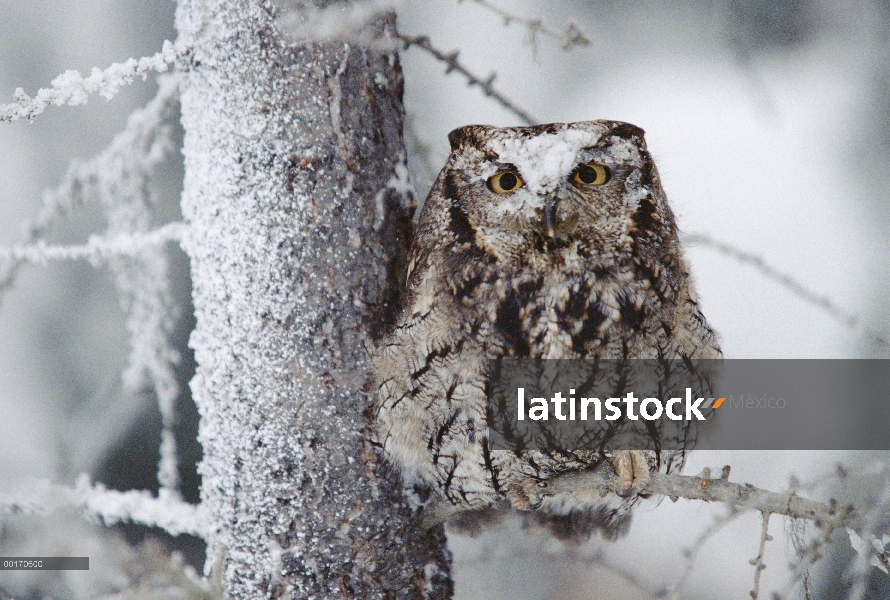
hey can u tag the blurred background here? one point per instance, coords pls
(770, 125)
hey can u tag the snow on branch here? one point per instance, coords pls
(302, 22)
(97, 247)
(120, 180)
(872, 551)
(572, 36)
(96, 502)
(124, 188)
(142, 128)
(486, 85)
(833, 309)
(73, 89)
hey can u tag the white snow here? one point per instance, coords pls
(96, 250)
(302, 22)
(545, 160)
(72, 88)
(97, 502)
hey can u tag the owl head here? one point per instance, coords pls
(589, 186)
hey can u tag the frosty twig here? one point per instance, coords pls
(486, 85)
(72, 88)
(834, 310)
(119, 178)
(572, 36)
(96, 248)
(96, 502)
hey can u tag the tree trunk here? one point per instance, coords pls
(299, 226)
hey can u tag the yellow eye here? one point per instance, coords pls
(501, 183)
(592, 174)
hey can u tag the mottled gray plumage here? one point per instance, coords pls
(581, 260)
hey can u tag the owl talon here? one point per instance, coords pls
(524, 496)
(632, 469)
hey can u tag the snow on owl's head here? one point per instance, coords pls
(548, 187)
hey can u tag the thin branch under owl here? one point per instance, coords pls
(587, 485)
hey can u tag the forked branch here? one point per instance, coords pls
(739, 495)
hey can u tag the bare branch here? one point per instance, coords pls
(875, 553)
(827, 516)
(833, 309)
(572, 36)
(807, 557)
(691, 553)
(758, 560)
(72, 88)
(580, 484)
(797, 531)
(486, 85)
(709, 490)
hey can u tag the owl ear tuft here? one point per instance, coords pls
(627, 131)
(457, 137)
(468, 135)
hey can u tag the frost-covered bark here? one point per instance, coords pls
(299, 219)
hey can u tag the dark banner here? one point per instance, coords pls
(599, 405)
(44, 563)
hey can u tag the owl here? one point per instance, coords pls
(550, 241)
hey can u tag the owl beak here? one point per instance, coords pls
(550, 217)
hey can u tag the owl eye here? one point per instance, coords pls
(591, 174)
(504, 182)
